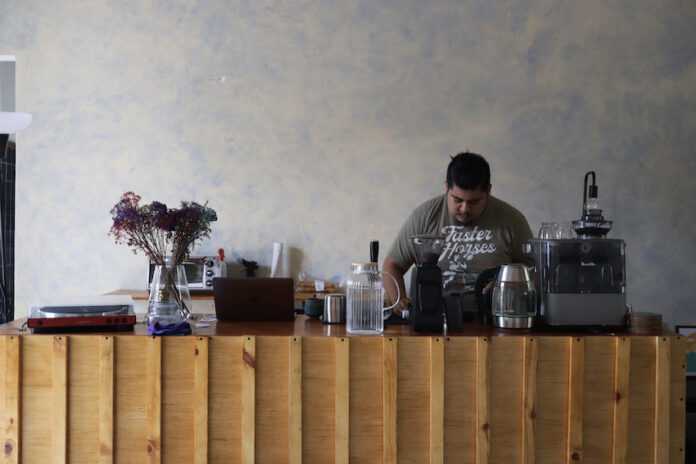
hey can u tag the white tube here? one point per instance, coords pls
(276, 263)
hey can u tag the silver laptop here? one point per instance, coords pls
(254, 299)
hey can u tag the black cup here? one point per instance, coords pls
(314, 307)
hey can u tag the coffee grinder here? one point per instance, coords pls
(426, 291)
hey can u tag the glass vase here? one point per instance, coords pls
(170, 298)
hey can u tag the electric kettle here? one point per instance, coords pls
(512, 302)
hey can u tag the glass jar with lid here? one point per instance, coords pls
(365, 311)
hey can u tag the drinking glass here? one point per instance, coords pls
(547, 230)
(564, 231)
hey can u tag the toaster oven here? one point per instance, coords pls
(200, 271)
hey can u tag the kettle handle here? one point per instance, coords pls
(398, 292)
(484, 300)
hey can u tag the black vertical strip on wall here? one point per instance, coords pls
(7, 200)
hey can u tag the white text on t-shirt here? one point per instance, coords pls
(467, 244)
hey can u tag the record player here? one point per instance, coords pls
(81, 314)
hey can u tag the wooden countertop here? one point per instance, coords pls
(304, 326)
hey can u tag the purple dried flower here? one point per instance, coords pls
(158, 231)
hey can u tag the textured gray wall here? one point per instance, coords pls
(323, 123)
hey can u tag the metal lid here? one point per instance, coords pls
(514, 273)
(365, 267)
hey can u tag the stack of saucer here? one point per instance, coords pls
(645, 323)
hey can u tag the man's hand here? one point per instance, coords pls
(393, 268)
(403, 304)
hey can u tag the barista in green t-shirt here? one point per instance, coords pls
(480, 231)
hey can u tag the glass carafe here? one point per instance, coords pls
(365, 311)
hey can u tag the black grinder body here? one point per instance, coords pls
(427, 299)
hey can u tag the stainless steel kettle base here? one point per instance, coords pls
(504, 322)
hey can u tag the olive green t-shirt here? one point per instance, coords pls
(494, 238)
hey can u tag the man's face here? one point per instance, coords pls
(466, 205)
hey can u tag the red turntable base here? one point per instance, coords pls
(88, 315)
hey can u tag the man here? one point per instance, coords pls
(480, 231)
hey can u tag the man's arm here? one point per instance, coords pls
(395, 269)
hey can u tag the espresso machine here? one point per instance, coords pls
(582, 281)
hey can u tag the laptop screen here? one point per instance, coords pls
(254, 299)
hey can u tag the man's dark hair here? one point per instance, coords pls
(469, 171)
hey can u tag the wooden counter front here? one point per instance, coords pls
(306, 392)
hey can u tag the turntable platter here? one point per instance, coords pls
(63, 311)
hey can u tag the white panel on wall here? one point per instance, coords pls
(7, 83)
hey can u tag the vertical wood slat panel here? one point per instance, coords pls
(60, 397)
(131, 432)
(154, 399)
(460, 399)
(506, 399)
(341, 398)
(106, 400)
(575, 394)
(414, 391)
(11, 400)
(295, 400)
(529, 395)
(273, 411)
(389, 407)
(641, 407)
(662, 386)
(319, 393)
(248, 399)
(677, 416)
(226, 359)
(552, 394)
(483, 404)
(437, 400)
(622, 376)
(200, 401)
(598, 400)
(36, 392)
(177, 433)
(130, 392)
(366, 400)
